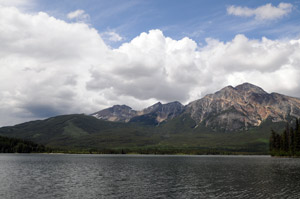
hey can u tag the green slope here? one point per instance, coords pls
(81, 132)
(183, 132)
(180, 135)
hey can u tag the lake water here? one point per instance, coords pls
(136, 176)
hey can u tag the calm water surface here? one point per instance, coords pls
(124, 176)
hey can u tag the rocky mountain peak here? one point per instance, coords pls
(152, 108)
(227, 89)
(249, 88)
(172, 107)
(241, 107)
(159, 107)
(227, 92)
(159, 112)
(120, 107)
(116, 113)
(229, 109)
(154, 114)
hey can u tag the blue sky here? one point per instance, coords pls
(177, 19)
(81, 56)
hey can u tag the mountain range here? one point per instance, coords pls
(230, 109)
(233, 119)
(154, 114)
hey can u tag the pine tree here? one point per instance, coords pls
(285, 141)
(288, 138)
(278, 142)
(282, 141)
(273, 141)
(297, 136)
(292, 141)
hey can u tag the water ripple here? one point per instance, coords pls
(119, 176)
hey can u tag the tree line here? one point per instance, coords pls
(14, 145)
(287, 143)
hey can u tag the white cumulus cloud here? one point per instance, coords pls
(44, 63)
(265, 12)
(111, 36)
(16, 2)
(50, 67)
(78, 15)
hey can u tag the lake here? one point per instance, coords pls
(145, 176)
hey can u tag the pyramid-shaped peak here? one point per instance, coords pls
(157, 104)
(247, 87)
(121, 107)
(227, 88)
(173, 103)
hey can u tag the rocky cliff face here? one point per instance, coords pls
(154, 114)
(169, 111)
(117, 113)
(159, 112)
(240, 107)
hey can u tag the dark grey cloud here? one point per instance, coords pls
(43, 110)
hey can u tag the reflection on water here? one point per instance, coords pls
(124, 176)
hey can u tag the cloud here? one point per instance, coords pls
(111, 36)
(16, 2)
(50, 67)
(155, 66)
(150, 66)
(265, 12)
(79, 15)
(44, 62)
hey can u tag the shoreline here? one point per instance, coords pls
(162, 154)
(149, 154)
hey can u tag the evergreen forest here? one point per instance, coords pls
(287, 143)
(13, 145)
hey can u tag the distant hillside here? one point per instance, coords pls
(79, 131)
(179, 135)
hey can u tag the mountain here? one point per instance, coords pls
(117, 113)
(152, 115)
(241, 107)
(246, 111)
(230, 109)
(158, 113)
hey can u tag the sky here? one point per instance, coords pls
(75, 56)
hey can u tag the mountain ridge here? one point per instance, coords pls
(154, 114)
(229, 109)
